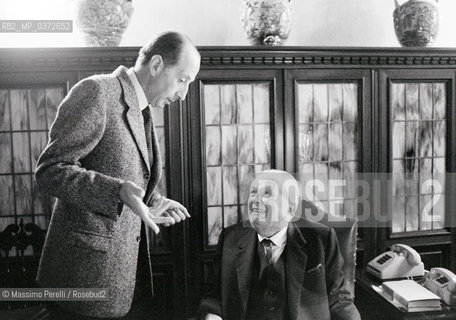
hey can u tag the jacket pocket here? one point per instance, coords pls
(91, 240)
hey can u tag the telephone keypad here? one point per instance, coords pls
(383, 259)
(442, 280)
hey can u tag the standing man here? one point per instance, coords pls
(102, 163)
(271, 268)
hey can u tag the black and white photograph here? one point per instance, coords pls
(227, 160)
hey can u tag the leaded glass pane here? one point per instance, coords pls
(439, 99)
(5, 153)
(21, 152)
(261, 97)
(320, 101)
(245, 144)
(426, 212)
(53, 98)
(328, 150)
(229, 147)
(320, 142)
(213, 143)
(425, 99)
(262, 144)
(237, 146)
(228, 104)
(411, 213)
(38, 142)
(336, 102)
(6, 197)
(230, 185)
(37, 109)
(398, 208)
(5, 123)
(19, 117)
(230, 216)
(214, 224)
(214, 186)
(335, 142)
(212, 104)
(418, 144)
(244, 94)
(350, 104)
(350, 142)
(438, 210)
(23, 190)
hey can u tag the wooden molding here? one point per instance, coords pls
(49, 59)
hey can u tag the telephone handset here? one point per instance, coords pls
(443, 283)
(401, 262)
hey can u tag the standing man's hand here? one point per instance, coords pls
(164, 207)
(131, 195)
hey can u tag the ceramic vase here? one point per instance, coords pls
(416, 22)
(266, 22)
(103, 22)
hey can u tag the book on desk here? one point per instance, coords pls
(411, 296)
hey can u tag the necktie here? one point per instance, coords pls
(148, 128)
(267, 245)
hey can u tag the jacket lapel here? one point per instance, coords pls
(295, 268)
(134, 116)
(247, 245)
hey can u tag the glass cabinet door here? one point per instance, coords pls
(416, 116)
(328, 144)
(331, 135)
(238, 130)
(418, 136)
(237, 138)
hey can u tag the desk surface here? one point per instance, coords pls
(373, 306)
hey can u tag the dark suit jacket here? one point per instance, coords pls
(315, 282)
(96, 142)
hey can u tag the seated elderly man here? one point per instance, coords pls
(272, 268)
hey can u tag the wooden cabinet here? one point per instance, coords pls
(348, 119)
(416, 120)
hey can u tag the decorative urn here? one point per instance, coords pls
(103, 22)
(416, 22)
(266, 22)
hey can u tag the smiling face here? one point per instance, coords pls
(270, 204)
(170, 83)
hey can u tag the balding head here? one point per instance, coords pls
(169, 46)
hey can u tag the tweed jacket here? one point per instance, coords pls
(97, 141)
(314, 278)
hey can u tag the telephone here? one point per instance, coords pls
(443, 283)
(401, 262)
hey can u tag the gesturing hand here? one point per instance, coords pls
(131, 195)
(164, 207)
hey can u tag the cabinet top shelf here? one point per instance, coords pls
(37, 59)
